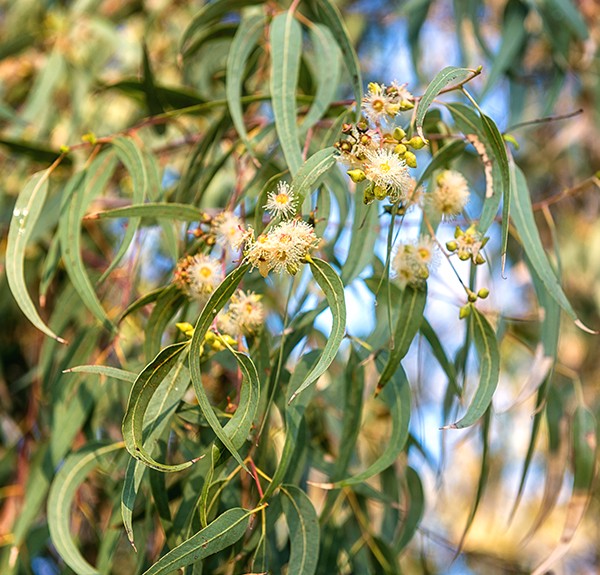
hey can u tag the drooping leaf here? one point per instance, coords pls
(410, 317)
(62, 493)
(415, 499)
(174, 211)
(242, 46)
(28, 207)
(105, 370)
(332, 287)
(311, 173)
(223, 532)
(153, 101)
(140, 396)
(449, 75)
(303, 525)
(286, 42)
(489, 366)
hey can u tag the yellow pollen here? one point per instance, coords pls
(282, 199)
(205, 272)
(378, 105)
(385, 167)
(424, 253)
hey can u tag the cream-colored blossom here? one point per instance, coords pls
(198, 275)
(450, 195)
(413, 261)
(377, 104)
(387, 171)
(401, 96)
(281, 202)
(469, 244)
(247, 311)
(228, 229)
(284, 247)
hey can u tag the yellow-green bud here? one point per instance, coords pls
(399, 134)
(464, 256)
(410, 159)
(64, 149)
(400, 149)
(451, 246)
(465, 311)
(90, 138)
(416, 142)
(406, 105)
(479, 259)
(357, 175)
(368, 196)
(472, 296)
(380, 193)
(483, 293)
(458, 232)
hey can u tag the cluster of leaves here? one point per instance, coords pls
(199, 452)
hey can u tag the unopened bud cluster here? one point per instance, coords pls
(468, 244)
(465, 310)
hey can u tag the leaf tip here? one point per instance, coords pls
(585, 328)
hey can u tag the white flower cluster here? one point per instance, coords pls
(198, 276)
(451, 194)
(282, 248)
(281, 202)
(413, 261)
(245, 315)
(381, 102)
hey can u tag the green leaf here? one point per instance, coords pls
(440, 354)
(133, 160)
(216, 303)
(522, 216)
(244, 42)
(183, 212)
(311, 174)
(397, 397)
(326, 72)
(329, 15)
(570, 15)
(35, 151)
(286, 48)
(158, 414)
(410, 317)
(209, 14)
(415, 500)
(60, 499)
(362, 240)
(106, 370)
(449, 75)
(27, 210)
(140, 396)
(303, 525)
(223, 532)
(513, 39)
(489, 365)
(332, 287)
(294, 415)
(153, 101)
(69, 229)
(175, 97)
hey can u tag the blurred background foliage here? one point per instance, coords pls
(68, 69)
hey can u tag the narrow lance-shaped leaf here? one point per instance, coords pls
(69, 228)
(522, 216)
(133, 160)
(244, 43)
(397, 396)
(329, 15)
(415, 500)
(449, 75)
(153, 101)
(293, 419)
(489, 365)
(223, 532)
(105, 370)
(174, 211)
(332, 287)
(286, 47)
(141, 394)
(311, 173)
(217, 301)
(410, 317)
(326, 72)
(67, 481)
(27, 210)
(303, 525)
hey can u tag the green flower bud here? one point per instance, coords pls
(483, 293)
(410, 159)
(368, 196)
(357, 175)
(380, 193)
(479, 259)
(416, 142)
(465, 311)
(464, 256)
(472, 297)
(400, 149)
(451, 246)
(399, 134)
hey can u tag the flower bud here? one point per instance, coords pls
(472, 296)
(357, 175)
(417, 143)
(399, 134)
(483, 293)
(479, 259)
(362, 126)
(465, 311)
(463, 256)
(410, 159)
(400, 149)
(346, 128)
(406, 105)
(368, 196)
(380, 193)
(451, 246)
